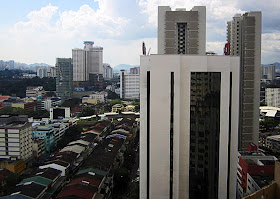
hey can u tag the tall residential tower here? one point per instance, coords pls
(88, 65)
(181, 31)
(244, 37)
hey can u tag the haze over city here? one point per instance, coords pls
(39, 31)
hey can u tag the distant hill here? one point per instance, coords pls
(39, 64)
(277, 65)
(123, 67)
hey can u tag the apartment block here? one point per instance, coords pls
(181, 31)
(129, 84)
(15, 137)
(244, 39)
(272, 97)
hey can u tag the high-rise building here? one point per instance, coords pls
(271, 72)
(189, 126)
(129, 84)
(244, 37)
(107, 71)
(87, 62)
(181, 31)
(64, 78)
(42, 71)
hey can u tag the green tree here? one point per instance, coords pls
(115, 101)
(87, 111)
(268, 124)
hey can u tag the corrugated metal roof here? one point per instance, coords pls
(38, 180)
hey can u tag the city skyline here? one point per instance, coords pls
(40, 31)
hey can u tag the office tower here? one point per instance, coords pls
(271, 72)
(86, 62)
(189, 126)
(16, 137)
(64, 78)
(129, 84)
(181, 31)
(244, 37)
(107, 71)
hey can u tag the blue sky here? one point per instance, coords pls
(41, 30)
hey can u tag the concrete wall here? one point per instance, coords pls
(182, 66)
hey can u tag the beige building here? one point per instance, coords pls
(89, 100)
(181, 31)
(15, 137)
(244, 36)
(189, 126)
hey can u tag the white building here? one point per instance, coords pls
(129, 85)
(87, 61)
(189, 126)
(42, 71)
(272, 97)
(181, 31)
(107, 71)
(15, 137)
(34, 91)
(101, 96)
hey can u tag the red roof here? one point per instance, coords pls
(4, 97)
(76, 191)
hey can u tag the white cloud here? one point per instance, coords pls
(50, 32)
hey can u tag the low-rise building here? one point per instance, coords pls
(28, 106)
(88, 100)
(251, 164)
(34, 91)
(117, 107)
(273, 142)
(38, 147)
(59, 113)
(46, 133)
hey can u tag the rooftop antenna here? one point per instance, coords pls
(143, 48)
(149, 51)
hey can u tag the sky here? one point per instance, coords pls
(38, 31)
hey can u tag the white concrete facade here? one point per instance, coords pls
(86, 61)
(272, 97)
(129, 85)
(158, 97)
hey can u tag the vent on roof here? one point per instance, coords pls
(85, 182)
(27, 183)
(39, 173)
(110, 145)
(91, 173)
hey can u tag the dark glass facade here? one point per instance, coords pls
(204, 135)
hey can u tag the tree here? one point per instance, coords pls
(268, 124)
(87, 111)
(115, 101)
(71, 102)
